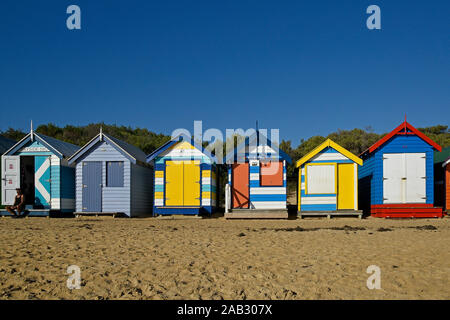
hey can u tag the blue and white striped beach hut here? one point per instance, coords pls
(257, 180)
(38, 165)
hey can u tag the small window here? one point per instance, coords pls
(114, 173)
(271, 174)
(321, 179)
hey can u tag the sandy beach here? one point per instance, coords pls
(188, 258)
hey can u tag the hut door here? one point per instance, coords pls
(174, 183)
(415, 178)
(240, 190)
(42, 182)
(10, 178)
(92, 186)
(404, 178)
(191, 183)
(346, 186)
(393, 178)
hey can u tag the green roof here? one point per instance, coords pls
(442, 156)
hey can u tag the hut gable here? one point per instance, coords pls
(33, 142)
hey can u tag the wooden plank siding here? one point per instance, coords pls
(373, 167)
(114, 199)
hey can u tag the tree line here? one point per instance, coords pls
(356, 140)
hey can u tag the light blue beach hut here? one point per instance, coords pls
(112, 177)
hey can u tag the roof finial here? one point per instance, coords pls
(31, 130)
(405, 123)
(101, 133)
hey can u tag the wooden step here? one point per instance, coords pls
(256, 214)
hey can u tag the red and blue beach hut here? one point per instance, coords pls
(397, 180)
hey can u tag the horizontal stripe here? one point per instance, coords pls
(317, 207)
(208, 187)
(202, 159)
(206, 202)
(159, 174)
(268, 190)
(324, 200)
(159, 195)
(159, 202)
(268, 204)
(328, 156)
(317, 195)
(206, 181)
(159, 188)
(206, 173)
(267, 197)
(331, 161)
(256, 184)
(159, 181)
(254, 169)
(208, 195)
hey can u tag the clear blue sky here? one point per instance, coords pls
(305, 67)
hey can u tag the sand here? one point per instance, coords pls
(187, 258)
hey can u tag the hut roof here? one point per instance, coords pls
(60, 148)
(404, 128)
(177, 139)
(131, 152)
(329, 143)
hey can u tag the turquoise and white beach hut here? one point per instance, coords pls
(38, 165)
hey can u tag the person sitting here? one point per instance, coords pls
(19, 204)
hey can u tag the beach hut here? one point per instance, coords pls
(328, 181)
(396, 179)
(5, 144)
(112, 178)
(446, 165)
(38, 165)
(185, 178)
(256, 180)
(439, 177)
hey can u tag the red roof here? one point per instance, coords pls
(403, 130)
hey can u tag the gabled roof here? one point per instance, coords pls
(175, 140)
(131, 152)
(5, 144)
(59, 148)
(254, 141)
(329, 143)
(403, 129)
